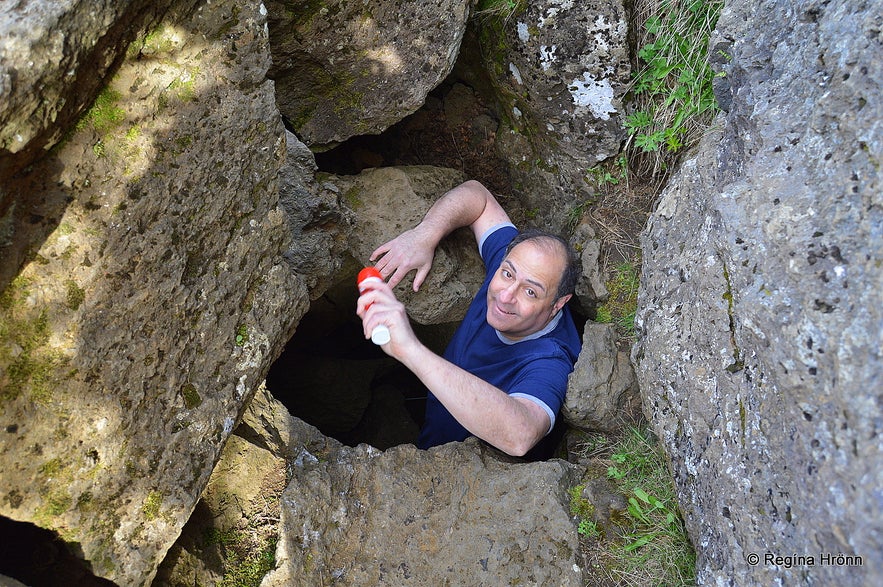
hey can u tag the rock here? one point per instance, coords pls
(344, 69)
(237, 517)
(602, 385)
(454, 514)
(590, 288)
(56, 58)
(760, 310)
(390, 200)
(559, 71)
(155, 296)
(320, 224)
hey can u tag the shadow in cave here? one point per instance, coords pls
(330, 376)
(39, 558)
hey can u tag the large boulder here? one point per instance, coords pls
(54, 58)
(346, 68)
(155, 295)
(601, 390)
(761, 306)
(389, 200)
(456, 514)
(559, 70)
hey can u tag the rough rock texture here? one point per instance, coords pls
(155, 297)
(452, 515)
(602, 385)
(560, 69)
(761, 308)
(390, 200)
(54, 58)
(346, 68)
(590, 289)
(320, 224)
(240, 508)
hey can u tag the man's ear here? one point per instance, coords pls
(559, 303)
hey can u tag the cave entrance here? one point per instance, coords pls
(329, 375)
(40, 558)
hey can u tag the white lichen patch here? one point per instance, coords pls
(515, 73)
(547, 56)
(596, 95)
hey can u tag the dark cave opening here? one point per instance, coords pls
(40, 558)
(330, 376)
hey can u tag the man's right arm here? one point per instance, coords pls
(469, 204)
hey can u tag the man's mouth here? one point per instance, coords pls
(501, 310)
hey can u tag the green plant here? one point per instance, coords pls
(611, 173)
(502, 9)
(622, 303)
(652, 546)
(673, 100)
(241, 335)
(247, 557)
(105, 113)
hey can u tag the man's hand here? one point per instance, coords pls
(378, 305)
(469, 204)
(410, 250)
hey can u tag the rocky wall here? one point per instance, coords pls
(154, 295)
(761, 313)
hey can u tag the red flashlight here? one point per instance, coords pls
(380, 334)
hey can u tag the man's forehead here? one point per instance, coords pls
(541, 262)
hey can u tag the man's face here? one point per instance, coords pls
(521, 298)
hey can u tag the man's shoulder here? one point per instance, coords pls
(495, 239)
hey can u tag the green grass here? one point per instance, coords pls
(621, 307)
(247, 557)
(650, 545)
(502, 9)
(672, 98)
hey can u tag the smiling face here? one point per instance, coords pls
(521, 298)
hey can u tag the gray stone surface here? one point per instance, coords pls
(560, 70)
(761, 313)
(55, 55)
(320, 223)
(155, 296)
(389, 200)
(602, 384)
(346, 68)
(452, 515)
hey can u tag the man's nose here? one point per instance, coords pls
(507, 294)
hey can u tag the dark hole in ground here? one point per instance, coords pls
(330, 376)
(39, 558)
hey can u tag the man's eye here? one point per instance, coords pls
(531, 293)
(506, 274)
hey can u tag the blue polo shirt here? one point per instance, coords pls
(536, 367)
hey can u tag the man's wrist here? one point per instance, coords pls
(414, 356)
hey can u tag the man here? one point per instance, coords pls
(504, 374)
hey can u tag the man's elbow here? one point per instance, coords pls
(518, 447)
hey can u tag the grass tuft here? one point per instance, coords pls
(650, 545)
(672, 97)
